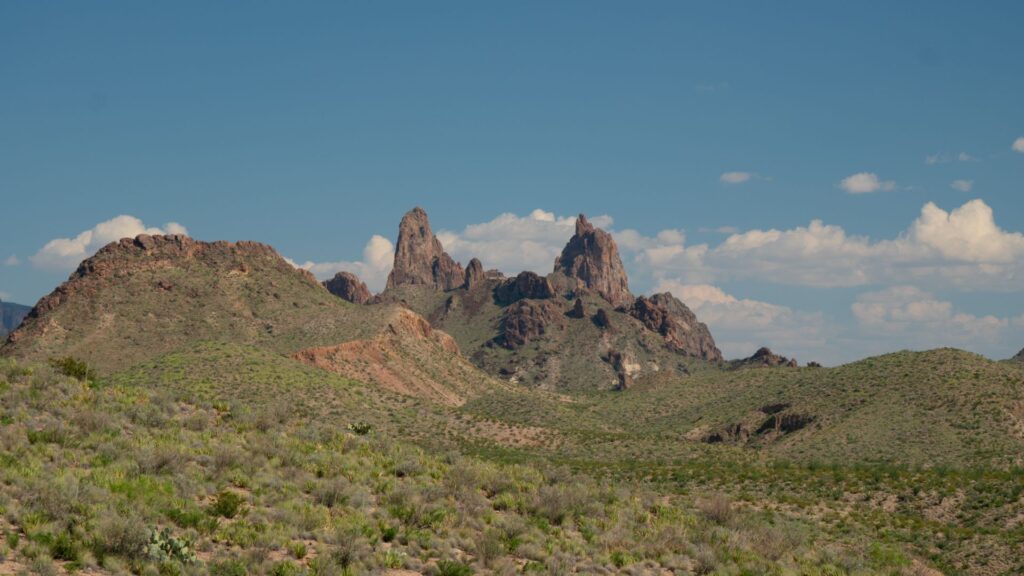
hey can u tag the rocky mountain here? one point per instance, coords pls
(1020, 356)
(11, 316)
(765, 357)
(139, 299)
(591, 259)
(348, 286)
(578, 327)
(419, 257)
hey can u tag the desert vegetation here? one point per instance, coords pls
(108, 477)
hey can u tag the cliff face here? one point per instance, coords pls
(419, 257)
(591, 257)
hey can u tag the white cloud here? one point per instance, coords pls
(1018, 145)
(962, 248)
(514, 243)
(962, 185)
(945, 158)
(866, 183)
(913, 315)
(735, 177)
(373, 269)
(64, 254)
(12, 260)
(741, 326)
(5, 296)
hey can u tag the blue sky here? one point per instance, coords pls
(314, 126)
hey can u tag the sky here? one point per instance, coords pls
(834, 180)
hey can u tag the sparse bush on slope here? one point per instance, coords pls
(310, 497)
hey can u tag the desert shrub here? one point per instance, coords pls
(73, 368)
(360, 428)
(453, 568)
(228, 568)
(717, 508)
(490, 546)
(285, 568)
(227, 504)
(297, 550)
(331, 492)
(120, 534)
(64, 547)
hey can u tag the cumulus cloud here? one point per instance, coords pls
(1018, 145)
(918, 316)
(735, 177)
(963, 248)
(962, 185)
(741, 326)
(64, 254)
(865, 183)
(514, 243)
(12, 260)
(373, 269)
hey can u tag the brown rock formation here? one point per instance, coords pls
(765, 357)
(578, 311)
(528, 319)
(408, 357)
(420, 258)
(475, 274)
(348, 286)
(524, 285)
(592, 259)
(666, 315)
(625, 366)
(601, 319)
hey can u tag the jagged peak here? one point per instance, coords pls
(420, 258)
(591, 257)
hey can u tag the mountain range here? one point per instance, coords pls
(568, 368)
(11, 316)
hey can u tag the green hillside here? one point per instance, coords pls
(110, 477)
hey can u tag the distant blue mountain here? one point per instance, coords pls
(11, 315)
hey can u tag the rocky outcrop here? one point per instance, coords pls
(408, 357)
(625, 365)
(591, 258)
(601, 319)
(765, 357)
(666, 315)
(420, 258)
(527, 320)
(348, 286)
(475, 275)
(524, 285)
(578, 310)
(1019, 357)
(770, 422)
